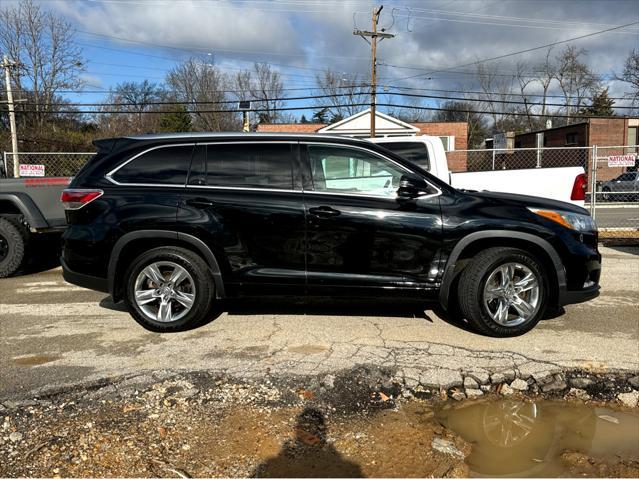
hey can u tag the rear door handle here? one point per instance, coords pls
(199, 202)
(324, 212)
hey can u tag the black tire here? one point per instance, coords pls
(13, 243)
(473, 280)
(605, 194)
(203, 282)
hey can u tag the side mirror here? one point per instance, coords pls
(412, 186)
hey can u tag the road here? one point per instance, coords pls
(53, 333)
(609, 216)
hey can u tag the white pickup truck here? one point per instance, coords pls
(564, 184)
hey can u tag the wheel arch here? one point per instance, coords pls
(22, 204)
(134, 243)
(468, 246)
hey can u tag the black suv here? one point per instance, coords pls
(171, 224)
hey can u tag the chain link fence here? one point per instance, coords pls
(44, 164)
(518, 158)
(614, 183)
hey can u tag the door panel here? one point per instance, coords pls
(256, 231)
(363, 237)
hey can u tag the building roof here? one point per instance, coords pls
(290, 127)
(358, 125)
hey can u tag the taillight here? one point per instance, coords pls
(73, 199)
(579, 188)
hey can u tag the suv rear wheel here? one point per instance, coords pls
(169, 289)
(503, 292)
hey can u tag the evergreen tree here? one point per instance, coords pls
(602, 105)
(303, 119)
(320, 115)
(177, 119)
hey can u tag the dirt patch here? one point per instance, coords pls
(356, 423)
(230, 430)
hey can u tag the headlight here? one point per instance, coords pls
(573, 221)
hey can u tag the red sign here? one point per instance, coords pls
(31, 170)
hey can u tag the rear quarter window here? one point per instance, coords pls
(413, 151)
(165, 165)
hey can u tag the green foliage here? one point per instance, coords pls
(602, 105)
(320, 115)
(176, 119)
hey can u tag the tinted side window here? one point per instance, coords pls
(349, 170)
(414, 152)
(166, 165)
(250, 165)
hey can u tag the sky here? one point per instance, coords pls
(435, 43)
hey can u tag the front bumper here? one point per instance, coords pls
(84, 280)
(574, 297)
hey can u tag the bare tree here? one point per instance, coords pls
(524, 80)
(495, 88)
(202, 86)
(464, 111)
(42, 43)
(630, 75)
(355, 89)
(576, 80)
(134, 104)
(268, 90)
(546, 73)
(263, 86)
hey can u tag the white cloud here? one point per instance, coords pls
(201, 26)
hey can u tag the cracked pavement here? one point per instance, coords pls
(52, 333)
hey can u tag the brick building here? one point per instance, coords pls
(573, 140)
(454, 135)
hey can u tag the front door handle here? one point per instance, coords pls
(324, 212)
(199, 202)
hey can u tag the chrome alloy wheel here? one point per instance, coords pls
(164, 291)
(512, 294)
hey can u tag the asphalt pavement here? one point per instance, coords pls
(53, 333)
(622, 216)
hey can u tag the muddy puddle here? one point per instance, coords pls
(546, 439)
(35, 360)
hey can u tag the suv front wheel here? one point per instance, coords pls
(169, 289)
(503, 292)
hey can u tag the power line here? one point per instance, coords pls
(527, 50)
(281, 65)
(319, 107)
(494, 93)
(472, 14)
(316, 97)
(211, 50)
(494, 72)
(310, 89)
(164, 90)
(501, 24)
(215, 102)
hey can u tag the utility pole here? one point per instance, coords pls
(374, 35)
(245, 106)
(7, 65)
